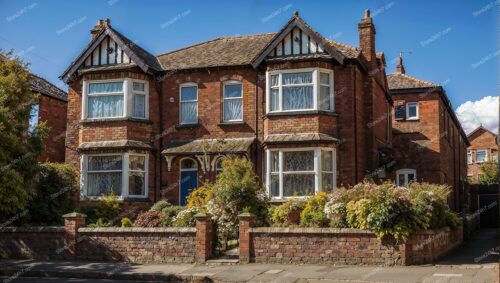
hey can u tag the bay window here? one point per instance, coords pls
(115, 99)
(124, 175)
(188, 104)
(233, 102)
(300, 90)
(300, 172)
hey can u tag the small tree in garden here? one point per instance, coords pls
(19, 147)
(489, 173)
(236, 190)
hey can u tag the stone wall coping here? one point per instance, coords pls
(34, 229)
(298, 230)
(137, 230)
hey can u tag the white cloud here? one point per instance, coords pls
(474, 113)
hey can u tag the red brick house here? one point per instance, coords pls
(483, 147)
(429, 142)
(51, 108)
(310, 113)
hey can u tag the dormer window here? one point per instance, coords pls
(115, 99)
(300, 90)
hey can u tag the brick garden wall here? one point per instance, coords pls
(139, 245)
(41, 243)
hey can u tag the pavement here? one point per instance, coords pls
(475, 261)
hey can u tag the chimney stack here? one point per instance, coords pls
(366, 30)
(400, 68)
(99, 26)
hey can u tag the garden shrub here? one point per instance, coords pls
(55, 184)
(314, 214)
(160, 205)
(280, 214)
(150, 219)
(100, 223)
(172, 211)
(109, 208)
(126, 222)
(201, 196)
(237, 187)
(185, 218)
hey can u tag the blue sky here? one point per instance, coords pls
(453, 42)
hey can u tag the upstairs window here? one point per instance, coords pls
(233, 102)
(105, 100)
(469, 157)
(115, 99)
(189, 104)
(412, 111)
(299, 90)
(405, 176)
(481, 156)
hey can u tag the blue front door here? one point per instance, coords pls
(189, 182)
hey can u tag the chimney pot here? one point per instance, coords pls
(296, 13)
(367, 13)
(400, 68)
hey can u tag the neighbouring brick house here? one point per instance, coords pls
(483, 147)
(429, 142)
(310, 113)
(51, 108)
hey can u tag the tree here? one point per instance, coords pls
(490, 173)
(19, 147)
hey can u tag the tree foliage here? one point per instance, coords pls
(19, 148)
(489, 173)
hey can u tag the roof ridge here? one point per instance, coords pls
(212, 40)
(343, 44)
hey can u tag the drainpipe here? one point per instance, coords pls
(355, 130)
(256, 125)
(160, 109)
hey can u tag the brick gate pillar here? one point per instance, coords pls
(72, 221)
(246, 222)
(204, 230)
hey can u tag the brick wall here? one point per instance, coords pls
(41, 243)
(53, 112)
(340, 245)
(138, 245)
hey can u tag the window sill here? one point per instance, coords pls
(307, 112)
(187, 126)
(120, 119)
(233, 123)
(412, 119)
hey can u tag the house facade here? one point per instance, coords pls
(429, 142)
(310, 113)
(51, 109)
(483, 148)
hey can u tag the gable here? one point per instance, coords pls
(107, 52)
(297, 38)
(296, 42)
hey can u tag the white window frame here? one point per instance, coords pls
(231, 98)
(189, 84)
(124, 170)
(127, 98)
(408, 105)
(405, 172)
(316, 89)
(485, 155)
(317, 169)
(145, 93)
(469, 157)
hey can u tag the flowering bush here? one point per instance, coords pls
(201, 196)
(150, 219)
(388, 210)
(314, 214)
(282, 215)
(237, 189)
(185, 218)
(160, 205)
